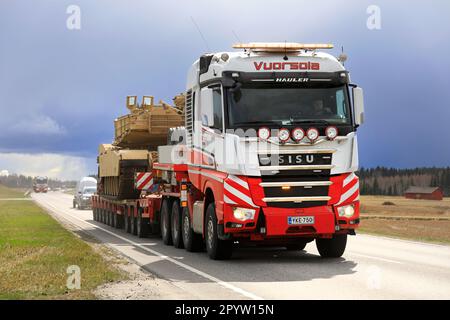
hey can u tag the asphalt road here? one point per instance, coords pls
(371, 268)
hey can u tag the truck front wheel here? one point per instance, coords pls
(166, 234)
(217, 249)
(332, 248)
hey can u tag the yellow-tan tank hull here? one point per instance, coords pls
(137, 136)
(117, 167)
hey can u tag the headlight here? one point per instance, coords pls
(264, 133)
(346, 211)
(298, 134)
(331, 132)
(244, 214)
(312, 134)
(283, 135)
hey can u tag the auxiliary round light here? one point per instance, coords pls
(331, 132)
(283, 135)
(264, 133)
(312, 134)
(298, 134)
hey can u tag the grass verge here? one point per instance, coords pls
(11, 193)
(35, 252)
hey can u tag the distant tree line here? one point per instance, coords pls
(394, 182)
(21, 181)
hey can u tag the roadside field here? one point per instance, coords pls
(35, 252)
(11, 193)
(422, 220)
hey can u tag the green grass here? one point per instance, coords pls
(35, 252)
(10, 193)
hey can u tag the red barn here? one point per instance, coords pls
(427, 193)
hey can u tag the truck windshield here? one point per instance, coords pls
(286, 106)
(89, 190)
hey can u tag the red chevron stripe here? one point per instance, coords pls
(147, 180)
(349, 185)
(351, 198)
(238, 187)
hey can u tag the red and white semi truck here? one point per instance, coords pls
(267, 156)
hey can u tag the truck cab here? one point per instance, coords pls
(272, 144)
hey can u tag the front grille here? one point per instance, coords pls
(296, 191)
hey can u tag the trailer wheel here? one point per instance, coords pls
(115, 220)
(192, 241)
(332, 248)
(142, 225)
(165, 223)
(296, 246)
(217, 249)
(94, 214)
(175, 218)
(126, 221)
(133, 229)
(101, 215)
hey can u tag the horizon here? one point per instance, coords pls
(61, 89)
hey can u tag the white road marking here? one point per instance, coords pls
(162, 256)
(374, 258)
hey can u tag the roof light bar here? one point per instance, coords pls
(282, 46)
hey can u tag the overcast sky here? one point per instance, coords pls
(61, 89)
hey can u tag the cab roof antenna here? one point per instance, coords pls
(342, 57)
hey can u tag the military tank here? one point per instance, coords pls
(137, 136)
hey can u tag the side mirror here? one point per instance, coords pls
(207, 110)
(358, 105)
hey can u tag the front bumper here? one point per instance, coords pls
(272, 222)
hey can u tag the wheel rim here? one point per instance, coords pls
(210, 233)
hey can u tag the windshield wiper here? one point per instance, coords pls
(311, 121)
(259, 122)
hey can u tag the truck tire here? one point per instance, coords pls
(217, 249)
(74, 204)
(166, 234)
(296, 246)
(142, 225)
(332, 248)
(192, 241)
(126, 222)
(133, 229)
(177, 237)
(102, 215)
